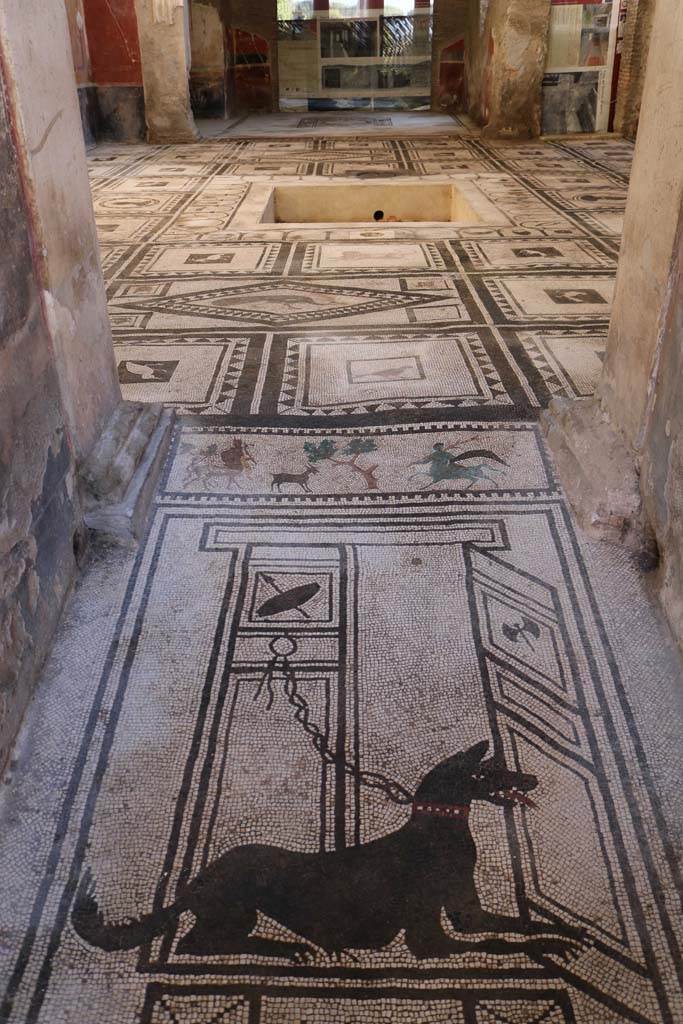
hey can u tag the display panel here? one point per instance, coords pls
(335, 55)
(577, 87)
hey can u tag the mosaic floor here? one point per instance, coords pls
(333, 123)
(365, 731)
(218, 312)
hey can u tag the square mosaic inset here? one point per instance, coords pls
(371, 255)
(569, 360)
(190, 376)
(557, 298)
(375, 374)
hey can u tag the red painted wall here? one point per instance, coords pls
(113, 42)
(452, 88)
(252, 85)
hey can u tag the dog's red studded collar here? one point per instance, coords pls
(458, 813)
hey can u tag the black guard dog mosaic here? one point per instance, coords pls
(356, 898)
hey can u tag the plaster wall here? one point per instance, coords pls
(45, 104)
(39, 514)
(206, 32)
(165, 49)
(649, 239)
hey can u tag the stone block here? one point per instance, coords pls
(596, 470)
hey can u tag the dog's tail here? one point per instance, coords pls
(88, 920)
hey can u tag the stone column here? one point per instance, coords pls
(506, 66)
(163, 27)
(621, 454)
(66, 438)
(251, 26)
(654, 202)
(634, 52)
(46, 115)
(207, 76)
(58, 382)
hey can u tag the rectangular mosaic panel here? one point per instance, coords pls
(303, 800)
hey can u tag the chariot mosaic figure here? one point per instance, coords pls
(222, 468)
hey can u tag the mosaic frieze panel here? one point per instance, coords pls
(314, 463)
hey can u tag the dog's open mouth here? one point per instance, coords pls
(516, 796)
(505, 788)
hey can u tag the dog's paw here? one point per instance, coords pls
(567, 950)
(305, 957)
(434, 950)
(342, 956)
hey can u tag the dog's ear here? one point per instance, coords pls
(476, 753)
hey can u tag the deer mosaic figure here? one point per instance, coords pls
(301, 479)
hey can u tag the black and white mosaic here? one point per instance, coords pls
(357, 752)
(186, 255)
(349, 739)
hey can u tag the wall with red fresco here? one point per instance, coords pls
(112, 29)
(251, 50)
(448, 55)
(251, 70)
(451, 91)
